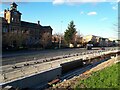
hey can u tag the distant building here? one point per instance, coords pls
(91, 39)
(27, 33)
(98, 41)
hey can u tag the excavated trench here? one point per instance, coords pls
(69, 66)
(73, 65)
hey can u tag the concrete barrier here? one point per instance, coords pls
(35, 79)
(68, 66)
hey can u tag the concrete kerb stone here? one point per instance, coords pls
(2, 77)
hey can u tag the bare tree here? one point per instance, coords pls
(14, 39)
(46, 39)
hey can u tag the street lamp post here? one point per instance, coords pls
(60, 38)
(59, 41)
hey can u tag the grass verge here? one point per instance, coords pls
(106, 78)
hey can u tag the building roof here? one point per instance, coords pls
(29, 24)
(46, 27)
(34, 25)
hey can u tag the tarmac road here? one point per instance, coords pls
(24, 56)
(11, 58)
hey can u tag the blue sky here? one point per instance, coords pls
(90, 18)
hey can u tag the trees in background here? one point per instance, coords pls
(14, 39)
(58, 40)
(46, 39)
(70, 33)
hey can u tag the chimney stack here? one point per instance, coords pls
(38, 22)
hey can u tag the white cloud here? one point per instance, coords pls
(104, 19)
(58, 1)
(81, 1)
(92, 13)
(90, 0)
(114, 7)
(118, 0)
(2, 12)
(81, 12)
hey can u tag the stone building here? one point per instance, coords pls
(97, 40)
(17, 33)
(91, 38)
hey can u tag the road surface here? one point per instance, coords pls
(24, 56)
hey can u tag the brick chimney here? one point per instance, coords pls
(38, 22)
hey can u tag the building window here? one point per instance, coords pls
(5, 30)
(12, 18)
